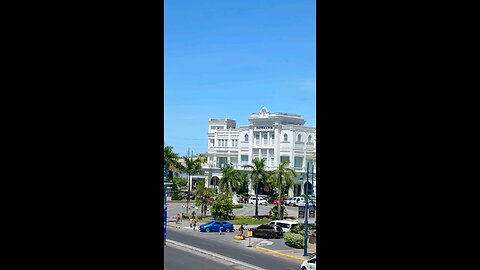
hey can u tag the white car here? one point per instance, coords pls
(285, 224)
(296, 200)
(261, 201)
(310, 264)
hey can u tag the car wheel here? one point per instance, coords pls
(269, 236)
(227, 229)
(207, 229)
(303, 268)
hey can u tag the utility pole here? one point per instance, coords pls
(188, 182)
(305, 224)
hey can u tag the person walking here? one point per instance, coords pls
(177, 219)
(241, 230)
(194, 224)
(221, 227)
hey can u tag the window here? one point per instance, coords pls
(310, 138)
(283, 158)
(299, 138)
(257, 136)
(298, 162)
(244, 159)
(246, 137)
(265, 136)
(273, 136)
(285, 137)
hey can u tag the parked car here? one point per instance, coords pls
(295, 200)
(309, 264)
(285, 224)
(281, 201)
(268, 231)
(261, 201)
(288, 201)
(214, 226)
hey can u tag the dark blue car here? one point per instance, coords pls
(214, 226)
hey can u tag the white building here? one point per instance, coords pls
(274, 137)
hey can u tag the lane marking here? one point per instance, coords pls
(215, 255)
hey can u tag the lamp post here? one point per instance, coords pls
(305, 224)
(165, 205)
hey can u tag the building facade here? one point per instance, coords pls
(274, 137)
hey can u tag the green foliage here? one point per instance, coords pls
(170, 157)
(203, 194)
(177, 196)
(236, 206)
(282, 179)
(179, 183)
(274, 212)
(222, 206)
(258, 174)
(293, 239)
(299, 228)
(229, 180)
(249, 220)
(242, 188)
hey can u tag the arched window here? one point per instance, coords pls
(246, 137)
(299, 138)
(285, 137)
(309, 138)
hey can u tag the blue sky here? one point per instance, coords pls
(228, 59)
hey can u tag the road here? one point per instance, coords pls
(180, 259)
(225, 245)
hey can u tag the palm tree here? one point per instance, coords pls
(229, 180)
(192, 166)
(204, 194)
(242, 188)
(258, 174)
(170, 158)
(282, 178)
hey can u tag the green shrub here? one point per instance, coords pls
(274, 212)
(299, 228)
(222, 206)
(176, 196)
(293, 240)
(237, 206)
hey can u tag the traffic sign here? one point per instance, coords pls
(249, 233)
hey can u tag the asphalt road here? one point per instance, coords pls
(180, 259)
(225, 245)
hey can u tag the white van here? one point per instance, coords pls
(261, 201)
(285, 224)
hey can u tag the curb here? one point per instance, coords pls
(215, 255)
(281, 254)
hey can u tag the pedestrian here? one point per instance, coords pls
(221, 227)
(194, 224)
(241, 230)
(177, 219)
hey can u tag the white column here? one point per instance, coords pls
(268, 157)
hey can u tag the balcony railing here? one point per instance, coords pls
(240, 167)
